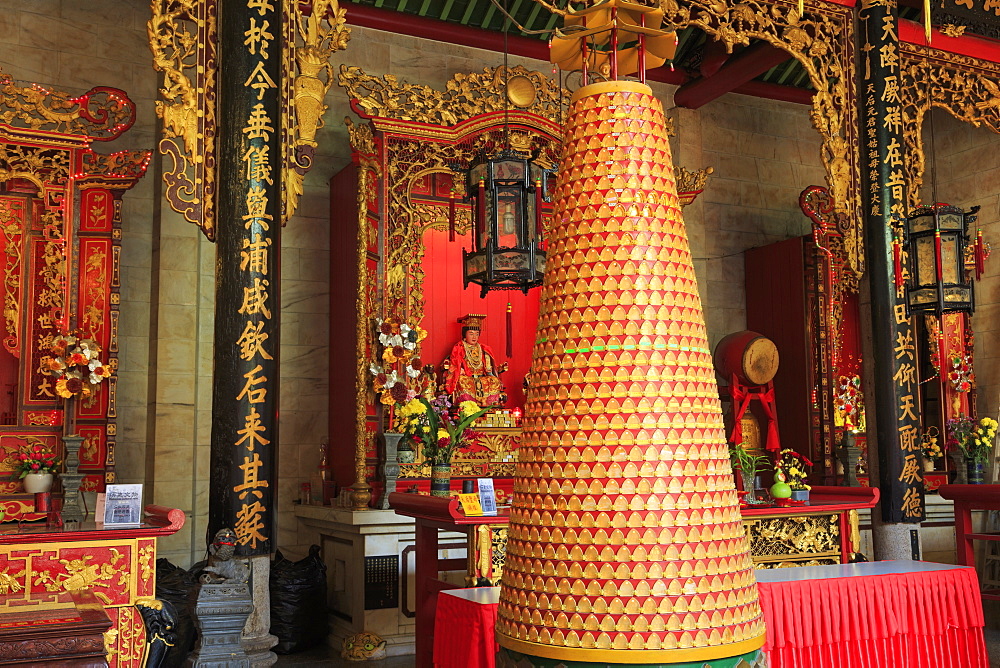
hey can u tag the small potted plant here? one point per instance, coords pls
(791, 469)
(37, 464)
(929, 447)
(749, 465)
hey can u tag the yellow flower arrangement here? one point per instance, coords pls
(793, 467)
(439, 425)
(929, 446)
(979, 445)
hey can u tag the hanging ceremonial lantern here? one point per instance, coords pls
(506, 189)
(937, 237)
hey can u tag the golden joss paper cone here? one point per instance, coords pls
(626, 543)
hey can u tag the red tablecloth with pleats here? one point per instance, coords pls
(926, 615)
(463, 628)
(879, 615)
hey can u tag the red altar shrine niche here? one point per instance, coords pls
(60, 243)
(392, 214)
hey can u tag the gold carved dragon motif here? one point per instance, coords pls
(465, 95)
(101, 113)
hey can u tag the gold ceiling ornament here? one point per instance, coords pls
(968, 88)
(101, 114)
(822, 41)
(950, 30)
(465, 95)
(182, 36)
(593, 27)
(314, 31)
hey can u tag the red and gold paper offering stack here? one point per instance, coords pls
(626, 543)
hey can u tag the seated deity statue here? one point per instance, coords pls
(472, 369)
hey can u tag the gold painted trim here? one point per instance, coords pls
(632, 655)
(611, 87)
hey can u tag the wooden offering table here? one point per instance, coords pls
(433, 514)
(117, 566)
(824, 530)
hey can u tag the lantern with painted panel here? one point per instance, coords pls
(507, 190)
(936, 238)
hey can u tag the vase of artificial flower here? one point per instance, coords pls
(37, 464)
(975, 441)
(793, 468)
(929, 448)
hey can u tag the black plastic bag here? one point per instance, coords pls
(179, 587)
(298, 602)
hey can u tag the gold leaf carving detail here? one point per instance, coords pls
(313, 37)
(465, 95)
(822, 42)
(966, 87)
(182, 36)
(13, 231)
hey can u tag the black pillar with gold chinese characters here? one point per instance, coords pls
(893, 354)
(247, 311)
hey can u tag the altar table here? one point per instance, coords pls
(116, 564)
(883, 614)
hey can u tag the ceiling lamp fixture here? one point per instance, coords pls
(507, 188)
(937, 237)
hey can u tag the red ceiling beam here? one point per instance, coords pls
(713, 57)
(775, 92)
(742, 68)
(443, 31)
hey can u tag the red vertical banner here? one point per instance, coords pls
(93, 311)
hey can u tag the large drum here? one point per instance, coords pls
(751, 357)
